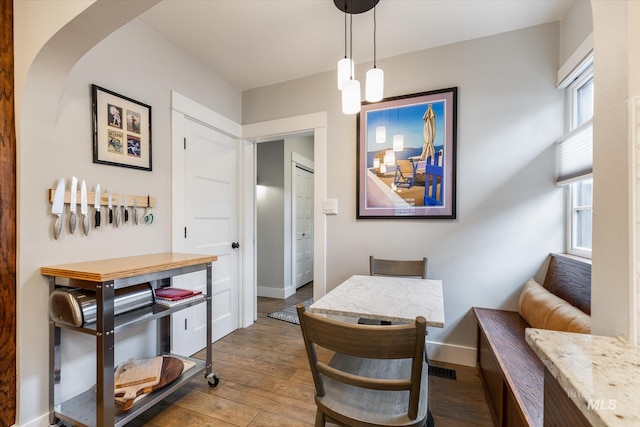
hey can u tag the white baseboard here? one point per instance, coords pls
(42, 421)
(269, 292)
(450, 353)
(291, 290)
(280, 293)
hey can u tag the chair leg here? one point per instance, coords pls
(430, 421)
(320, 422)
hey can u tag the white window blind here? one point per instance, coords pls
(575, 154)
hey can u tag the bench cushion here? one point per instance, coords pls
(544, 310)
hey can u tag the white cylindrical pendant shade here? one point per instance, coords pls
(374, 85)
(398, 142)
(351, 97)
(345, 71)
(381, 134)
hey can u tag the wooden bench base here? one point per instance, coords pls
(511, 373)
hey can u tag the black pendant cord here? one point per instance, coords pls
(351, 65)
(345, 35)
(374, 37)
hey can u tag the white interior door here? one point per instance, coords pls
(303, 225)
(210, 197)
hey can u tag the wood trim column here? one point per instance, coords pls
(7, 219)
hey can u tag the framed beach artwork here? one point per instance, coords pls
(407, 156)
(121, 130)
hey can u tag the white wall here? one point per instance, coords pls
(56, 142)
(634, 91)
(612, 184)
(615, 292)
(510, 213)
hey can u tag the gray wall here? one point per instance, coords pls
(270, 217)
(576, 25)
(510, 213)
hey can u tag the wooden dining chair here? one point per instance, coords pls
(398, 268)
(402, 268)
(377, 377)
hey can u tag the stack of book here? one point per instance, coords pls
(173, 296)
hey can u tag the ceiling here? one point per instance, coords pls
(255, 43)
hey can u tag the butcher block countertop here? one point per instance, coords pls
(121, 268)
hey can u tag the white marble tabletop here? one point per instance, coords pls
(601, 375)
(395, 299)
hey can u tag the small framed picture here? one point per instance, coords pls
(407, 157)
(121, 130)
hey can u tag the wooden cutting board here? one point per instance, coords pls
(171, 369)
(135, 374)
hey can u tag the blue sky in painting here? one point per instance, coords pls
(406, 120)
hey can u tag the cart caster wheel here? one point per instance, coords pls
(213, 380)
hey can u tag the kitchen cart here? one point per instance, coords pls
(96, 406)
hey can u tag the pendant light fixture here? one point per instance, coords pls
(345, 65)
(351, 87)
(375, 77)
(351, 94)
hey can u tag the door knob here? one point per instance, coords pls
(235, 245)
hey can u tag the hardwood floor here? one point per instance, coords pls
(265, 381)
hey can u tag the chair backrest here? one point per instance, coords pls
(365, 341)
(389, 267)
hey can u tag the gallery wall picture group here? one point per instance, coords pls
(407, 156)
(121, 130)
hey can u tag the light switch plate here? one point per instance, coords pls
(330, 207)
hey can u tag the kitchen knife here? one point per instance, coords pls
(118, 210)
(110, 205)
(57, 208)
(96, 205)
(126, 209)
(84, 209)
(135, 210)
(72, 205)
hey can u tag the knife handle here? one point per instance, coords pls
(85, 224)
(57, 227)
(110, 216)
(126, 215)
(97, 218)
(72, 223)
(118, 217)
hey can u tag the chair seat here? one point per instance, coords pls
(373, 407)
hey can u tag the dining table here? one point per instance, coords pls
(385, 298)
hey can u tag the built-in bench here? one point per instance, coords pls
(512, 375)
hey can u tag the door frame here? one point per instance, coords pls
(316, 124)
(249, 135)
(183, 108)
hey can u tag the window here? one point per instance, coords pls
(575, 158)
(581, 213)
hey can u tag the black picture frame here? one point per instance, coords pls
(406, 157)
(121, 130)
